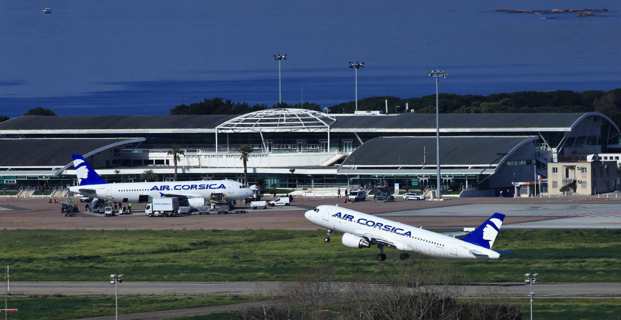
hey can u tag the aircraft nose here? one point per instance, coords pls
(308, 214)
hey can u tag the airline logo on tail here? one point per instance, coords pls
(486, 233)
(84, 171)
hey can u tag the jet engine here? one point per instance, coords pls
(196, 202)
(352, 241)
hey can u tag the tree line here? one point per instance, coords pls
(606, 102)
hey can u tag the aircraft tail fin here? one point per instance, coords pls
(85, 173)
(485, 234)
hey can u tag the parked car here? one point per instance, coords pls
(413, 196)
(384, 196)
(358, 195)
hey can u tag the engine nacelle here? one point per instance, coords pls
(196, 202)
(352, 241)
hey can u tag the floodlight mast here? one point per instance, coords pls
(531, 279)
(280, 57)
(115, 279)
(8, 292)
(356, 65)
(437, 75)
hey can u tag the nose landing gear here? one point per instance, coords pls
(326, 239)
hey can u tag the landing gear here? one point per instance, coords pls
(404, 256)
(381, 256)
(326, 239)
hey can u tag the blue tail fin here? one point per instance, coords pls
(486, 233)
(84, 171)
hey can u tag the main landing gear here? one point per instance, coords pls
(327, 237)
(381, 256)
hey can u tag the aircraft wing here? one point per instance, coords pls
(179, 195)
(87, 192)
(455, 234)
(373, 239)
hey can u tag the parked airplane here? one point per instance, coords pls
(362, 230)
(91, 185)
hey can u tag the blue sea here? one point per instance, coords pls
(144, 57)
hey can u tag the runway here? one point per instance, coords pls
(542, 215)
(276, 288)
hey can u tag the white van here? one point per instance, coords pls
(281, 201)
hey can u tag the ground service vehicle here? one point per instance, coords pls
(108, 212)
(162, 207)
(278, 202)
(359, 195)
(262, 204)
(384, 196)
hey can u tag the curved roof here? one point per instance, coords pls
(284, 120)
(421, 151)
(50, 152)
(461, 122)
(278, 120)
(113, 124)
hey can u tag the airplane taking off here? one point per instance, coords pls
(362, 230)
(91, 185)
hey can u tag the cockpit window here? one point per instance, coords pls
(316, 209)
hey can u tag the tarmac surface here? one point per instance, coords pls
(276, 288)
(448, 214)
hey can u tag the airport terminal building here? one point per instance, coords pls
(302, 148)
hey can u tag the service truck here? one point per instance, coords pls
(167, 206)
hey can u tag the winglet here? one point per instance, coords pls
(485, 235)
(85, 173)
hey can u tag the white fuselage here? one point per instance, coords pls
(132, 191)
(399, 235)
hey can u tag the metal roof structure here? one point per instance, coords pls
(291, 120)
(278, 120)
(112, 124)
(50, 152)
(464, 122)
(474, 153)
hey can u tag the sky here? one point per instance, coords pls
(87, 48)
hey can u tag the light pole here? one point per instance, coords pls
(531, 279)
(115, 279)
(356, 65)
(437, 75)
(8, 292)
(280, 57)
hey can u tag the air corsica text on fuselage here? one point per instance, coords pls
(373, 224)
(202, 186)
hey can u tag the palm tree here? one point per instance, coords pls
(175, 152)
(149, 175)
(245, 150)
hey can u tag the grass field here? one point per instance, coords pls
(72, 307)
(285, 255)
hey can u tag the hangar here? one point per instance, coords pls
(302, 148)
